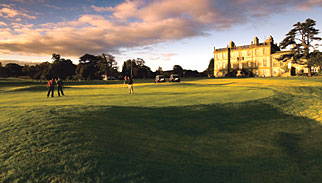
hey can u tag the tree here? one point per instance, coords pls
(136, 68)
(13, 69)
(125, 69)
(177, 69)
(3, 71)
(144, 72)
(93, 67)
(88, 58)
(87, 67)
(29, 71)
(139, 62)
(107, 65)
(130, 68)
(42, 71)
(55, 57)
(85, 71)
(210, 69)
(302, 37)
(316, 59)
(192, 74)
(159, 71)
(63, 68)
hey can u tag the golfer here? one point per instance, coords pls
(51, 87)
(60, 86)
(130, 85)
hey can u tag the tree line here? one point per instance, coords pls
(90, 67)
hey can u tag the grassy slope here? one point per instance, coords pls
(219, 130)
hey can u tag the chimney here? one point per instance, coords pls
(256, 41)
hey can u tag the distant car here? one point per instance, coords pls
(174, 78)
(159, 79)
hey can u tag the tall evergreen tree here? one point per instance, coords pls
(210, 69)
(302, 37)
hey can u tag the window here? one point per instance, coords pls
(281, 64)
(217, 66)
(264, 51)
(256, 63)
(265, 72)
(224, 55)
(249, 53)
(256, 51)
(274, 64)
(231, 65)
(224, 65)
(249, 64)
(264, 62)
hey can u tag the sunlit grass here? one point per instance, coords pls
(146, 95)
(210, 130)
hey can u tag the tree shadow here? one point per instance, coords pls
(244, 142)
(233, 142)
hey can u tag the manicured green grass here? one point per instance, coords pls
(210, 130)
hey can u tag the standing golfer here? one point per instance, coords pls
(130, 85)
(125, 78)
(59, 86)
(51, 87)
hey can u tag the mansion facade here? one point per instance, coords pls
(257, 59)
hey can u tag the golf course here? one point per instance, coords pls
(196, 131)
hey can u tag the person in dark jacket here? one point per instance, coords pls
(59, 86)
(51, 87)
(130, 85)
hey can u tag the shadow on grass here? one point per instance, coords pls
(248, 142)
(244, 142)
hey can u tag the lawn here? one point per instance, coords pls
(208, 130)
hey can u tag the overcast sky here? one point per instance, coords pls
(162, 32)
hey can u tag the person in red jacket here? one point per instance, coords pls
(51, 87)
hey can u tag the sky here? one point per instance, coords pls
(162, 32)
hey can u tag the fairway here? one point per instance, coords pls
(207, 130)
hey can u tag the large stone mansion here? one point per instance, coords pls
(257, 59)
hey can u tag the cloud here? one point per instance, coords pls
(3, 24)
(306, 5)
(19, 62)
(161, 57)
(29, 1)
(135, 23)
(9, 12)
(153, 55)
(102, 9)
(6, 5)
